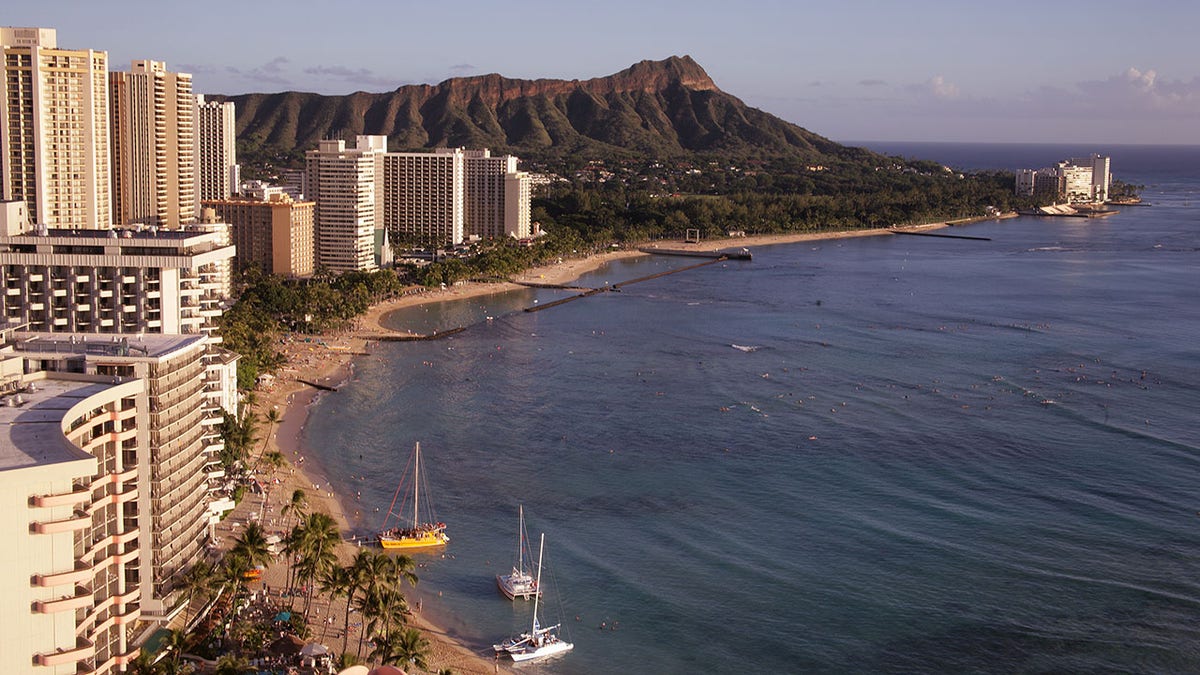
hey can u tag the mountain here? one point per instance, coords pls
(653, 108)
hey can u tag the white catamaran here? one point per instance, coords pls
(520, 583)
(538, 642)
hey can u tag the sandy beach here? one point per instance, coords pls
(328, 359)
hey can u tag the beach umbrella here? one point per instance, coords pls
(314, 649)
(283, 616)
(355, 670)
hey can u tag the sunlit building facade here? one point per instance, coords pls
(54, 130)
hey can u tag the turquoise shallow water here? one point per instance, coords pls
(941, 455)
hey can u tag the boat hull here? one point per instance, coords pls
(517, 585)
(541, 652)
(427, 540)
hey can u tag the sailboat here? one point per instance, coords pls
(519, 584)
(538, 642)
(414, 534)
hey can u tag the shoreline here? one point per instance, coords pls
(331, 359)
(371, 325)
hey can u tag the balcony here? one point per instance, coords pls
(80, 574)
(78, 495)
(84, 649)
(80, 521)
(82, 598)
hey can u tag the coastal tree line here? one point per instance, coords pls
(580, 218)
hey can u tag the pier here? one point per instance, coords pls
(934, 234)
(557, 287)
(563, 301)
(619, 285)
(317, 385)
(406, 337)
(720, 255)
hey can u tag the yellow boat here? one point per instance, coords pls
(414, 535)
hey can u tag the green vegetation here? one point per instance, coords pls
(269, 306)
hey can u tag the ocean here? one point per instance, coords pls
(885, 454)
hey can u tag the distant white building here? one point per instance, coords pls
(1078, 180)
(345, 182)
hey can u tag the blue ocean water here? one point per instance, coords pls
(928, 455)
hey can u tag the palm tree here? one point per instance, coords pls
(382, 604)
(272, 418)
(403, 647)
(358, 571)
(174, 643)
(317, 539)
(232, 665)
(296, 506)
(338, 582)
(199, 579)
(251, 545)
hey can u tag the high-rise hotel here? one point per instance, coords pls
(153, 146)
(423, 197)
(54, 130)
(496, 197)
(345, 182)
(106, 449)
(216, 150)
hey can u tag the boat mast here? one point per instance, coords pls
(537, 594)
(521, 538)
(416, 484)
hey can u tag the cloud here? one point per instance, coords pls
(271, 72)
(359, 75)
(940, 88)
(275, 65)
(463, 68)
(1137, 91)
(872, 83)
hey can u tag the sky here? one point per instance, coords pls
(1062, 71)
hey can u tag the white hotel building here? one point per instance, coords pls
(107, 445)
(112, 281)
(1079, 180)
(345, 182)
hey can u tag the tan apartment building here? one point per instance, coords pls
(518, 203)
(345, 183)
(153, 136)
(274, 234)
(216, 150)
(54, 130)
(423, 201)
(496, 197)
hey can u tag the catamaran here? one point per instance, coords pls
(416, 534)
(538, 642)
(519, 584)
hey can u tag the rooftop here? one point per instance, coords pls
(154, 345)
(31, 423)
